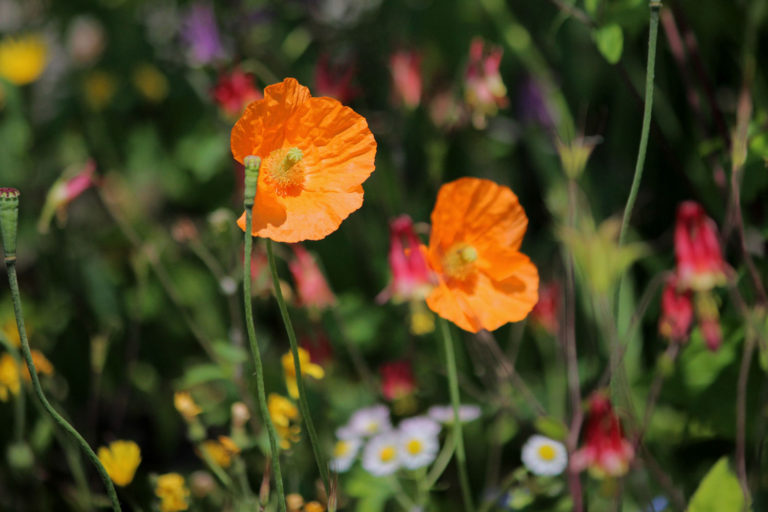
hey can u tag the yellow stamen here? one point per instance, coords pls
(341, 449)
(458, 261)
(547, 452)
(414, 447)
(285, 171)
(387, 454)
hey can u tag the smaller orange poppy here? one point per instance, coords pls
(315, 155)
(484, 281)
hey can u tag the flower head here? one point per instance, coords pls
(676, 312)
(172, 491)
(411, 277)
(485, 91)
(285, 416)
(185, 404)
(700, 265)
(423, 424)
(315, 155)
(545, 312)
(344, 454)
(65, 190)
(120, 460)
(605, 453)
(307, 368)
(544, 456)
(201, 35)
(381, 454)
(235, 90)
(335, 80)
(10, 384)
(221, 450)
(365, 422)
(23, 59)
(484, 281)
(444, 413)
(406, 77)
(311, 286)
(417, 447)
(42, 365)
(319, 347)
(397, 380)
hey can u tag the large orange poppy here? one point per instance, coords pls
(315, 155)
(484, 281)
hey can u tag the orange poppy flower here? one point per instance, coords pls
(483, 279)
(315, 155)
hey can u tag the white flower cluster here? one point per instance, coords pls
(413, 444)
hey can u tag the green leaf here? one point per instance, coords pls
(719, 491)
(552, 427)
(610, 42)
(591, 6)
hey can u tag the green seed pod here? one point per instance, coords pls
(9, 220)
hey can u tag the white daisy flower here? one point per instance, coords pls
(380, 455)
(444, 413)
(418, 447)
(346, 432)
(344, 453)
(544, 456)
(369, 421)
(420, 424)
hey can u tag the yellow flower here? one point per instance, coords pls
(99, 88)
(23, 59)
(9, 377)
(314, 506)
(294, 501)
(186, 406)
(172, 491)
(221, 450)
(11, 331)
(150, 82)
(307, 368)
(120, 460)
(284, 415)
(42, 365)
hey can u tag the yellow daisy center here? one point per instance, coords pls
(387, 454)
(547, 452)
(341, 449)
(285, 171)
(414, 447)
(458, 261)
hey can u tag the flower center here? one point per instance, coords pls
(387, 454)
(458, 261)
(285, 171)
(414, 447)
(341, 449)
(547, 452)
(372, 427)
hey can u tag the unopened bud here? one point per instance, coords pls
(9, 220)
(252, 164)
(240, 414)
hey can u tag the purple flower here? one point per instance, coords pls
(201, 35)
(532, 104)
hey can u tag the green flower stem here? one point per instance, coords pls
(453, 383)
(297, 367)
(274, 450)
(16, 297)
(443, 458)
(655, 6)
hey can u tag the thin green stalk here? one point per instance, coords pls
(297, 367)
(655, 6)
(16, 297)
(453, 383)
(442, 460)
(250, 193)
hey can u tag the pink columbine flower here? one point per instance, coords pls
(406, 77)
(700, 265)
(485, 91)
(546, 312)
(64, 191)
(676, 312)
(605, 452)
(312, 289)
(397, 380)
(411, 277)
(335, 80)
(234, 91)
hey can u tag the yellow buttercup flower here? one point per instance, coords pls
(10, 383)
(314, 506)
(120, 460)
(42, 365)
(23, 59)
(307, 368)
(150, 82)
(221, 450)
(186, 405)
(173, 492)
(284, 415)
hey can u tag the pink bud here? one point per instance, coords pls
(406, 77)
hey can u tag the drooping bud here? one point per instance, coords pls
(9, 221)
(700, 265)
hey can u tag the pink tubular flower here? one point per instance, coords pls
(64, 191)
(335, 80)
(311, 287)
(397, 380)
(485, 91)
(700, 265)
(605, 453)
(708, 319)
(546, 312)
(411, 277)
(234, 91)
(406, 77)
(676, 312)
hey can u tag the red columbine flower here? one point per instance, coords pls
(397, 380)
(406, 77)
(311, 287)
(485, 91)
(335, 81)
(411, 277)
(709, 319)
(700, 265)
(676, 312)
(605, 453)
(546, 312)
(64, 191)
(319, 347)
(234, 91)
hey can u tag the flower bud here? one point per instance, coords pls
(252, 164)
(9, 220)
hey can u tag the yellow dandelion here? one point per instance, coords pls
(173, 492)
(186, 405)
(23, 59)
(150, 82)
(120, 460)
(9, 377)
(307, 368)
(284, 415)
(221, 450)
